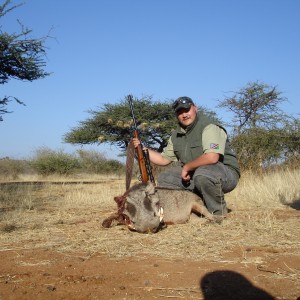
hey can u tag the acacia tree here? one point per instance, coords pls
(261, 130)
(113, 124)
(21, 57)
(291, 145)
(255, 106)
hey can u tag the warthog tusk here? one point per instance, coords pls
(131, 226)
(161, 214)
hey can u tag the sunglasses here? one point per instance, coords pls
(182, 100)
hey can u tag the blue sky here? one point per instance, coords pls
(103, 50)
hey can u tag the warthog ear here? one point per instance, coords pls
(120, 200)
(150, 189)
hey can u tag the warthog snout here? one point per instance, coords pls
(142, 207)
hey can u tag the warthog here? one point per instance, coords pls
(145, 208)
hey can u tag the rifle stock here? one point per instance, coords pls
(141, 154)
(141, 159)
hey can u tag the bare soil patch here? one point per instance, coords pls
(54, 247)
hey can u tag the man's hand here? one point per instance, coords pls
(185, 174)
(155, 157)
(136, 142)
(202, 160)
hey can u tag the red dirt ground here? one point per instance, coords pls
(45, 274)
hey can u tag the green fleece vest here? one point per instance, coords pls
(188, 143)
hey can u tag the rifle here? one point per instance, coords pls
(142, 154)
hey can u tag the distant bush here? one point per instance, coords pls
(95, 162)
(293, 162)
(12, 168)
(48, 162)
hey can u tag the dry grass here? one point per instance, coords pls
(68, 218)
(59, 178)
(267, 190)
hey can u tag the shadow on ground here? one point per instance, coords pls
(225, 284)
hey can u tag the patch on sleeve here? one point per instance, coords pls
(214, 146)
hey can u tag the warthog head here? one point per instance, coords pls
(142, 208)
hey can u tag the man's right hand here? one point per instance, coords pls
(155, 157)
(136, 142)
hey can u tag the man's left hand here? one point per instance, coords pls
(185, 175)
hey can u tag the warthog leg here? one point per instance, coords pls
(201, 209)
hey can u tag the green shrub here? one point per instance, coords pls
(48, 162)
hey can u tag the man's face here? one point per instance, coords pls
(186, 116)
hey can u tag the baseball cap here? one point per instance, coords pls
(182, 102)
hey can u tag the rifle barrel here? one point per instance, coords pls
(132, 112)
